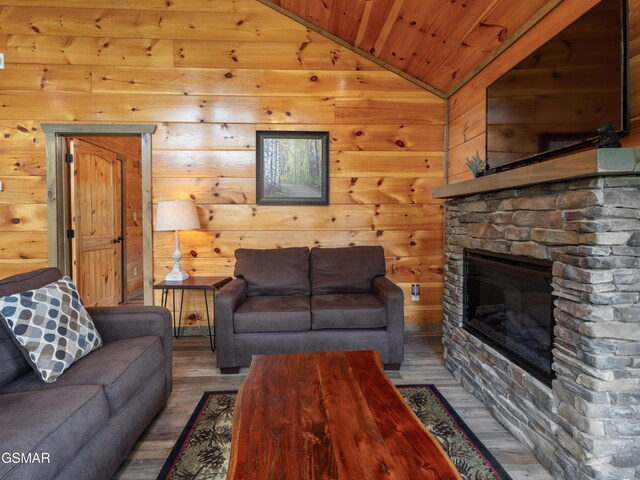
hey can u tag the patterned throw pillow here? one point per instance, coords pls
(52, 325)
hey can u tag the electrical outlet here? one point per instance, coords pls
(415, 292)
(1, 61)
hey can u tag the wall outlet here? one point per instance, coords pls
(415, 292)
(1, 61)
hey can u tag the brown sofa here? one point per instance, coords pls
(294, 300)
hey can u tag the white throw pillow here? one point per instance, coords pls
(52, 325)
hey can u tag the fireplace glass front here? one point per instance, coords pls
(509, 305)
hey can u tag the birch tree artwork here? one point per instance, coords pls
(292, 167)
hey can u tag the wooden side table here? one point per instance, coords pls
(203, 284)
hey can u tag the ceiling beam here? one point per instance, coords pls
(355, 49)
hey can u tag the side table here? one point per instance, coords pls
(203, 284)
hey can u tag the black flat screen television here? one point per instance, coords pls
(556, 98)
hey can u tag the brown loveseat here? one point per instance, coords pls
(294, 300)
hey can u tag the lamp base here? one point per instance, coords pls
(176, 276)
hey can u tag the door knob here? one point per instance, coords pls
(118, 240)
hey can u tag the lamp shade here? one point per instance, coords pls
(177, 215)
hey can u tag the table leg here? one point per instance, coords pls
(180, 317)
(206, 307)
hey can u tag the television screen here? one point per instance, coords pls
(557, 97)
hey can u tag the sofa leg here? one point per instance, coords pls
(392, 366)
(229, 370)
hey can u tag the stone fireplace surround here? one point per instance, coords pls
(587, 425)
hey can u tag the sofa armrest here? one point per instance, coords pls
(228, 299)
(116, 323)
(392, 297)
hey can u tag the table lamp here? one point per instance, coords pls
(176, 215)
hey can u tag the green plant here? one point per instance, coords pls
(476, 164)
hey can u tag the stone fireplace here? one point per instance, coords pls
(586, 424)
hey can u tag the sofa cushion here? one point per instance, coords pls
(279, 271)
(345, 270)
(347, 311)
(52, 325)
(272, 314)
(56, 421)
(12, 359)
(120, 367)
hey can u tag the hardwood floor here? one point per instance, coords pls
(195, 371)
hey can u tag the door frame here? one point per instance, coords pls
(57, 190)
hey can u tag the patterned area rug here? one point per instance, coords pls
(202, 451)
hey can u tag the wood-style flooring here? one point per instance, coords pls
(195, 372)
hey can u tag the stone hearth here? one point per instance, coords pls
(587, 425)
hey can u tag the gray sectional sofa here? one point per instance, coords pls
(299, 300)
(83, 425)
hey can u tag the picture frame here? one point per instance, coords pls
(292, 168)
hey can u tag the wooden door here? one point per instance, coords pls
(96, 220)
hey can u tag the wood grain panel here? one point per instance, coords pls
(92, 22)
(35, 49)
(414, 20)
(365, 190)
(210, 163)
(429, 111)
(223, 243)
(214, 6)
(47, 78)
(222, 81)
(16, 161)
(335, 217)
(398, 138)
(249, 55)
(371, 163)
(468, 126)
(24, 190)
(205, 136)
(206, 190)
(448, 34)
(23, 217)
(15, 266)
(23, 245)
(154, 108)
(382, 190)
(21, 134)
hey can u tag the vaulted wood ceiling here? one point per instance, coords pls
(438, 42)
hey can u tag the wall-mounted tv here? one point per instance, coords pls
(555, 99)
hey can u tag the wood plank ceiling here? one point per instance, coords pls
(438, 42)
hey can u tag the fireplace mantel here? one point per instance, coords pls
(589, 163)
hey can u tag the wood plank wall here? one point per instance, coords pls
(210, 73)
(467, 106)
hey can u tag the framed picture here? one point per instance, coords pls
(292, 168)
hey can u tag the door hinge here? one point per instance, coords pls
(69, 157)
(71, 233)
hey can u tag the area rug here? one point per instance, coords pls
(202, 451)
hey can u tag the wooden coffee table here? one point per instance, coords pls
(329, 416)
